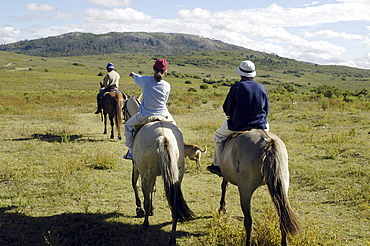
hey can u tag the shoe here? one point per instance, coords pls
(128, 156)
(98, 111)
(215, 169)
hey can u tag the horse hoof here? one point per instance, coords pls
(140, 212)
(119, 138)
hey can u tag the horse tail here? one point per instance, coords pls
(272, 170)
(118, 104)
(171, 178)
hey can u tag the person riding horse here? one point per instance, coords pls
(246, 106)
(155, 95)
(110, 82)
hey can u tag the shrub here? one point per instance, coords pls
(203, 86)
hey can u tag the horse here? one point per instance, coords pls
(112, 105)
(158, 150)
(252, 159)
(131, 106)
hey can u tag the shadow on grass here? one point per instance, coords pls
(51, 138)
(78, 229)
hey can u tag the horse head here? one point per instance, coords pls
(131, 106)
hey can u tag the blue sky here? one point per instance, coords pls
(322, 32)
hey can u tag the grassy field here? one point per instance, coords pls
(63, 182)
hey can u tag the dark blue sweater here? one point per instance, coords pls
(246, 105)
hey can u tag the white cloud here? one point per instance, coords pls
(9, 34)
(32, 17)
(41, 7)
(111, 3)
(122, 15)
(273, 29)
(313, 3)
(332, 34)
(363, 61)
(64, 16)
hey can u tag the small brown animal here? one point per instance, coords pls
(193, 152)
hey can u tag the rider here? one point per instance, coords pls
(155, 95)
(111, 81)
(246, 107)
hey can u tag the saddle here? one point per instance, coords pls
(110, 89)
(236, 134)
(151, 119)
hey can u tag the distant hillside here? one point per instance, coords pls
(84, 44)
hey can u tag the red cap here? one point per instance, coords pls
(161, 64)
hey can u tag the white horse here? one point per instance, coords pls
(131, 106)
(159, 151)
(256, 158)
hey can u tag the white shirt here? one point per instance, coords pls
(155, 95)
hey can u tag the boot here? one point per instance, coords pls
(99, 109)
(215, 167)
(128, 155)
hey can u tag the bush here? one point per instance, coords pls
(203, 86)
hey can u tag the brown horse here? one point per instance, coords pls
(112, 106)
(256, 158)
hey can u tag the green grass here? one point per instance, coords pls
(65, 183)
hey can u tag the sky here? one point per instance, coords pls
(325, 32)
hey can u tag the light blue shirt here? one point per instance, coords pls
(155, 95)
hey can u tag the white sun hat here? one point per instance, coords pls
(246, 69)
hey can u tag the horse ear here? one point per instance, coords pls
(139, 97)
(124, 95)
(101, 84)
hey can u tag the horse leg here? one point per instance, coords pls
(135, 177)
(147, 184)
(151, 213)
(112, 126)
(223, 195)
(245, 201)
(105, 123)
(118, 125)
(246, 190)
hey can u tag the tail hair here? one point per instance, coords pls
(118, 106)
(273, 176)
(172, 185)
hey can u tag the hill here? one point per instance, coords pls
(211, 60)
(83, 44)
